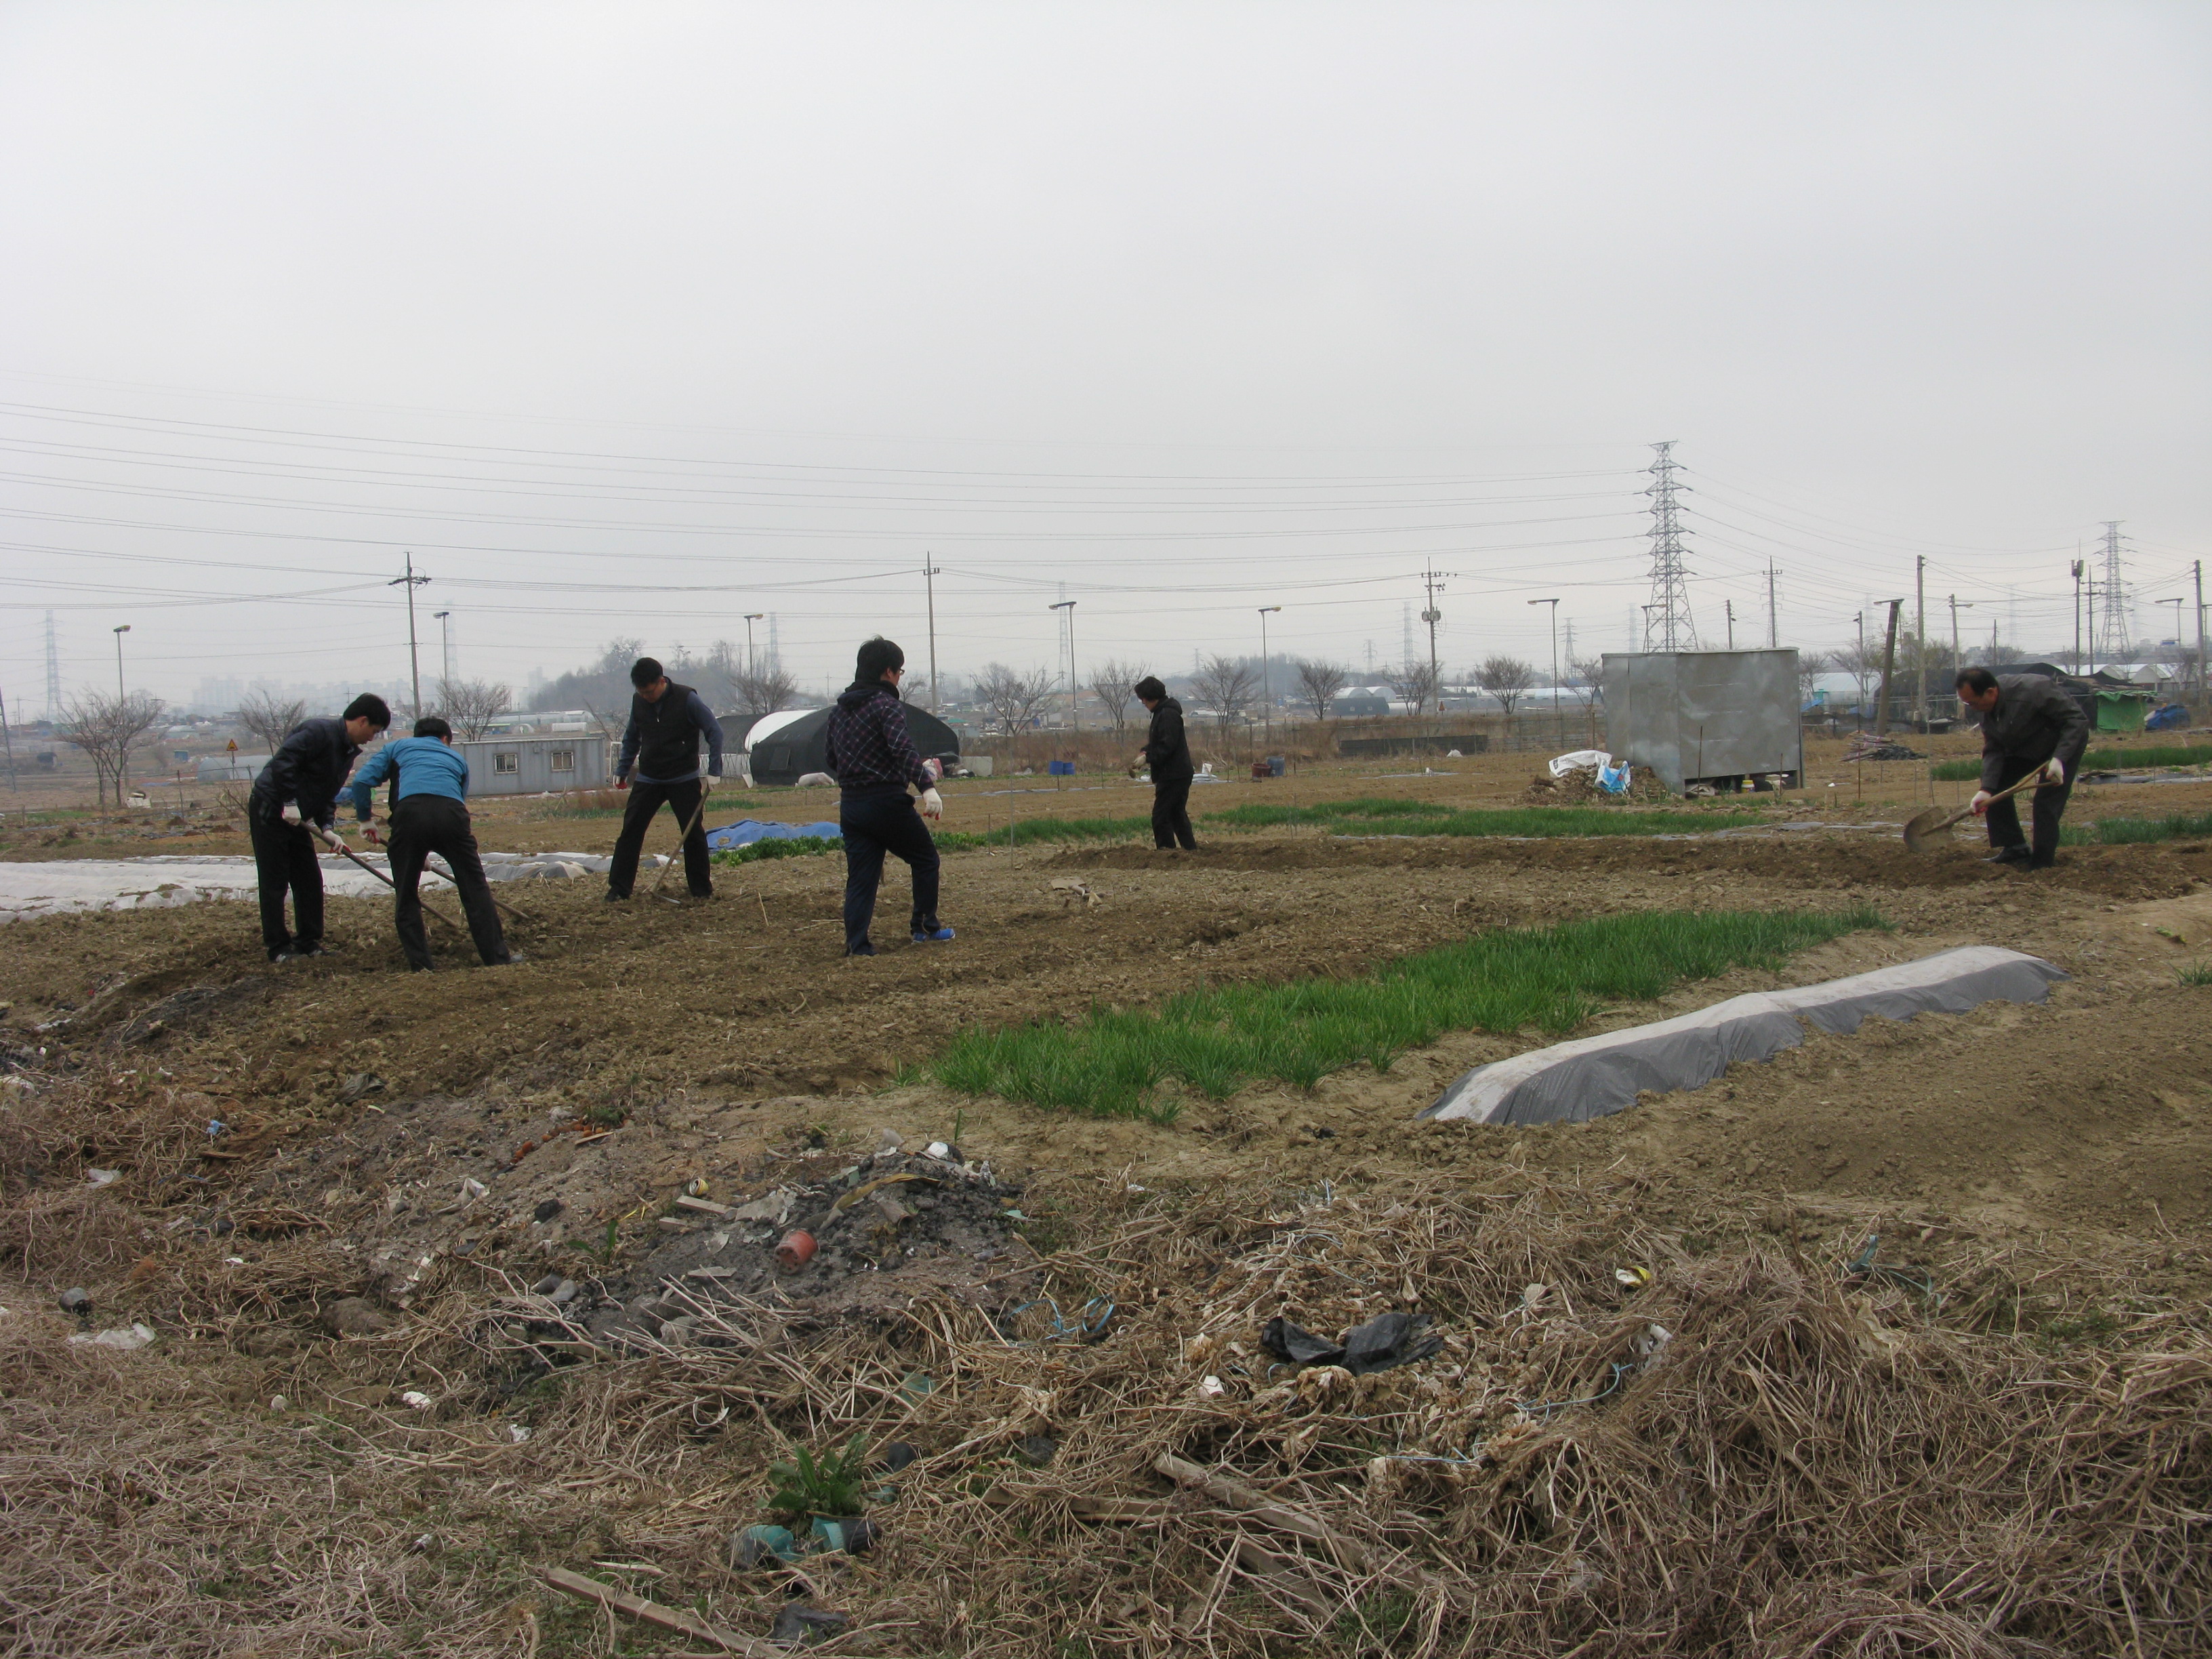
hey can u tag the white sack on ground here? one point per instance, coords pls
(1573, 1082)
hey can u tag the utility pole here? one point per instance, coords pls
(752, 662)
(1860, 675)
(2177, 603)
(1773, 623)
(1066, 608)
(1920, 638)
(53, 672)
(1730, 606)
(445, 621)
(2078, 664)
(930, 572)
(123, 754)
(1957, 662)
(1889, 668)
(1559, 715)
(1267, 696)
(1670, 593)
(9, 737)
(2197, 567)
(411, 581)
(1432, 617)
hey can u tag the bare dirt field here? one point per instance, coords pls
(464, 1187)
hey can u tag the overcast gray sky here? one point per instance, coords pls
(632, 319)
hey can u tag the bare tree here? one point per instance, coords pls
(1413, 684)
(761, 692)
(1318, 681)
(1811, 665)
(1863, 664)
(105, 728)
(1507, 679)
(1227, 685)
(1995, 655)
(1114, 684)
(470, 706)
(1014, 698)
(1585, 676)
(268, 720)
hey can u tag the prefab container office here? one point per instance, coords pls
(536, 766)
(1711, 718)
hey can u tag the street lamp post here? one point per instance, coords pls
(1074, 713)
(1559, 718)
(444, 619)
(752, 663)
(1266, 691)
(122, 755)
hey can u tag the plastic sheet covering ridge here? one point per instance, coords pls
(1590, 1077)
(745, 831)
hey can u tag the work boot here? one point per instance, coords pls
(932, 935)
(2010, 855)
(863, 949)
(512, 959)
(613, 897)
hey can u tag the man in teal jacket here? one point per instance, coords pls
(431, 816)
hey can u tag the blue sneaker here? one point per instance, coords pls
(939, 936)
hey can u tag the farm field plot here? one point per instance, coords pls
(403, 1160)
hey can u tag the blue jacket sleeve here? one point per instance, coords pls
(370, 773)
(629, 756)
(713, 728)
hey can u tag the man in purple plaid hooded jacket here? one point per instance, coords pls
(873, 760)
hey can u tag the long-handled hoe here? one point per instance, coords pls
(700, 812)
(337, 846)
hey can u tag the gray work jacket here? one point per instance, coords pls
(2034, 719)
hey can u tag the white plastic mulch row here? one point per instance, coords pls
(57, 885)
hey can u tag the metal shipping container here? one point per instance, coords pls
(1716, 718)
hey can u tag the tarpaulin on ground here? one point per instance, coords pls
(745, 831)
(1590, 1077)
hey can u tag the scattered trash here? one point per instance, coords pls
(697, 1187)
(797, 1249)
(1651, 1346)
(517, 1433)
(416, 1400)
(1072, 892)
(1579, 760)
(1633, 1276)
(1867, 746)
(134, 1336)
(1532, 1295)
(1386, 1341)
(1212, 1389)
(102, 1177)
(797, 1625)
(756, 1547)
(472, 1188)
(846, 1534)
(897, 1455)
(547, 1209)
(75, 1300)
(945, 1152)
(277, 1402)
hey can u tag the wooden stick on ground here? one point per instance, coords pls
(652, 1612)
(337, 846)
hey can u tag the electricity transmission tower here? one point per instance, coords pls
(53, 672)
(2112, 642)
(1667, 625)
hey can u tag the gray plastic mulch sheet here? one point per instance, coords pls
(1573, 1082)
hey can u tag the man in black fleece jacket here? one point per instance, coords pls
(873, 760)
(2028, 725)
(1167, 751)
(299, 787)
(659, 767)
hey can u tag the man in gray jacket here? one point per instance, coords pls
(2028, 725)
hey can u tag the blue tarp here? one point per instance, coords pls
(745, 831)
(2172, 717)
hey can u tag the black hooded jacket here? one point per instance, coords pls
(1167, 750)
(308, 768)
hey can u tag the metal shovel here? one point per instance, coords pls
(1920, 834)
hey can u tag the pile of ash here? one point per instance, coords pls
(865, 1241)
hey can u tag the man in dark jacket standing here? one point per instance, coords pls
(661, 743)
(1167, 751)
(299, 787)
(2028, 725)
(873, 760)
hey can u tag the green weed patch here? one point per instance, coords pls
(2100, 760)
(790, 846)
(2130, 832)
(1114, 1063)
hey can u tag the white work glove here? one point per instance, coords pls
(1980, 802)
(290, 813)
(933, 803)
(336, 842)
(2054, 773)
(707, 783)
(370, 833)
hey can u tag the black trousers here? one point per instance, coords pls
(1172, 814)
(877, 822)
(422, 825)
(2046, 807)
(284, 861)
(646, 800)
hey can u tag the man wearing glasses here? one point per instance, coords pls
(873, 760)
